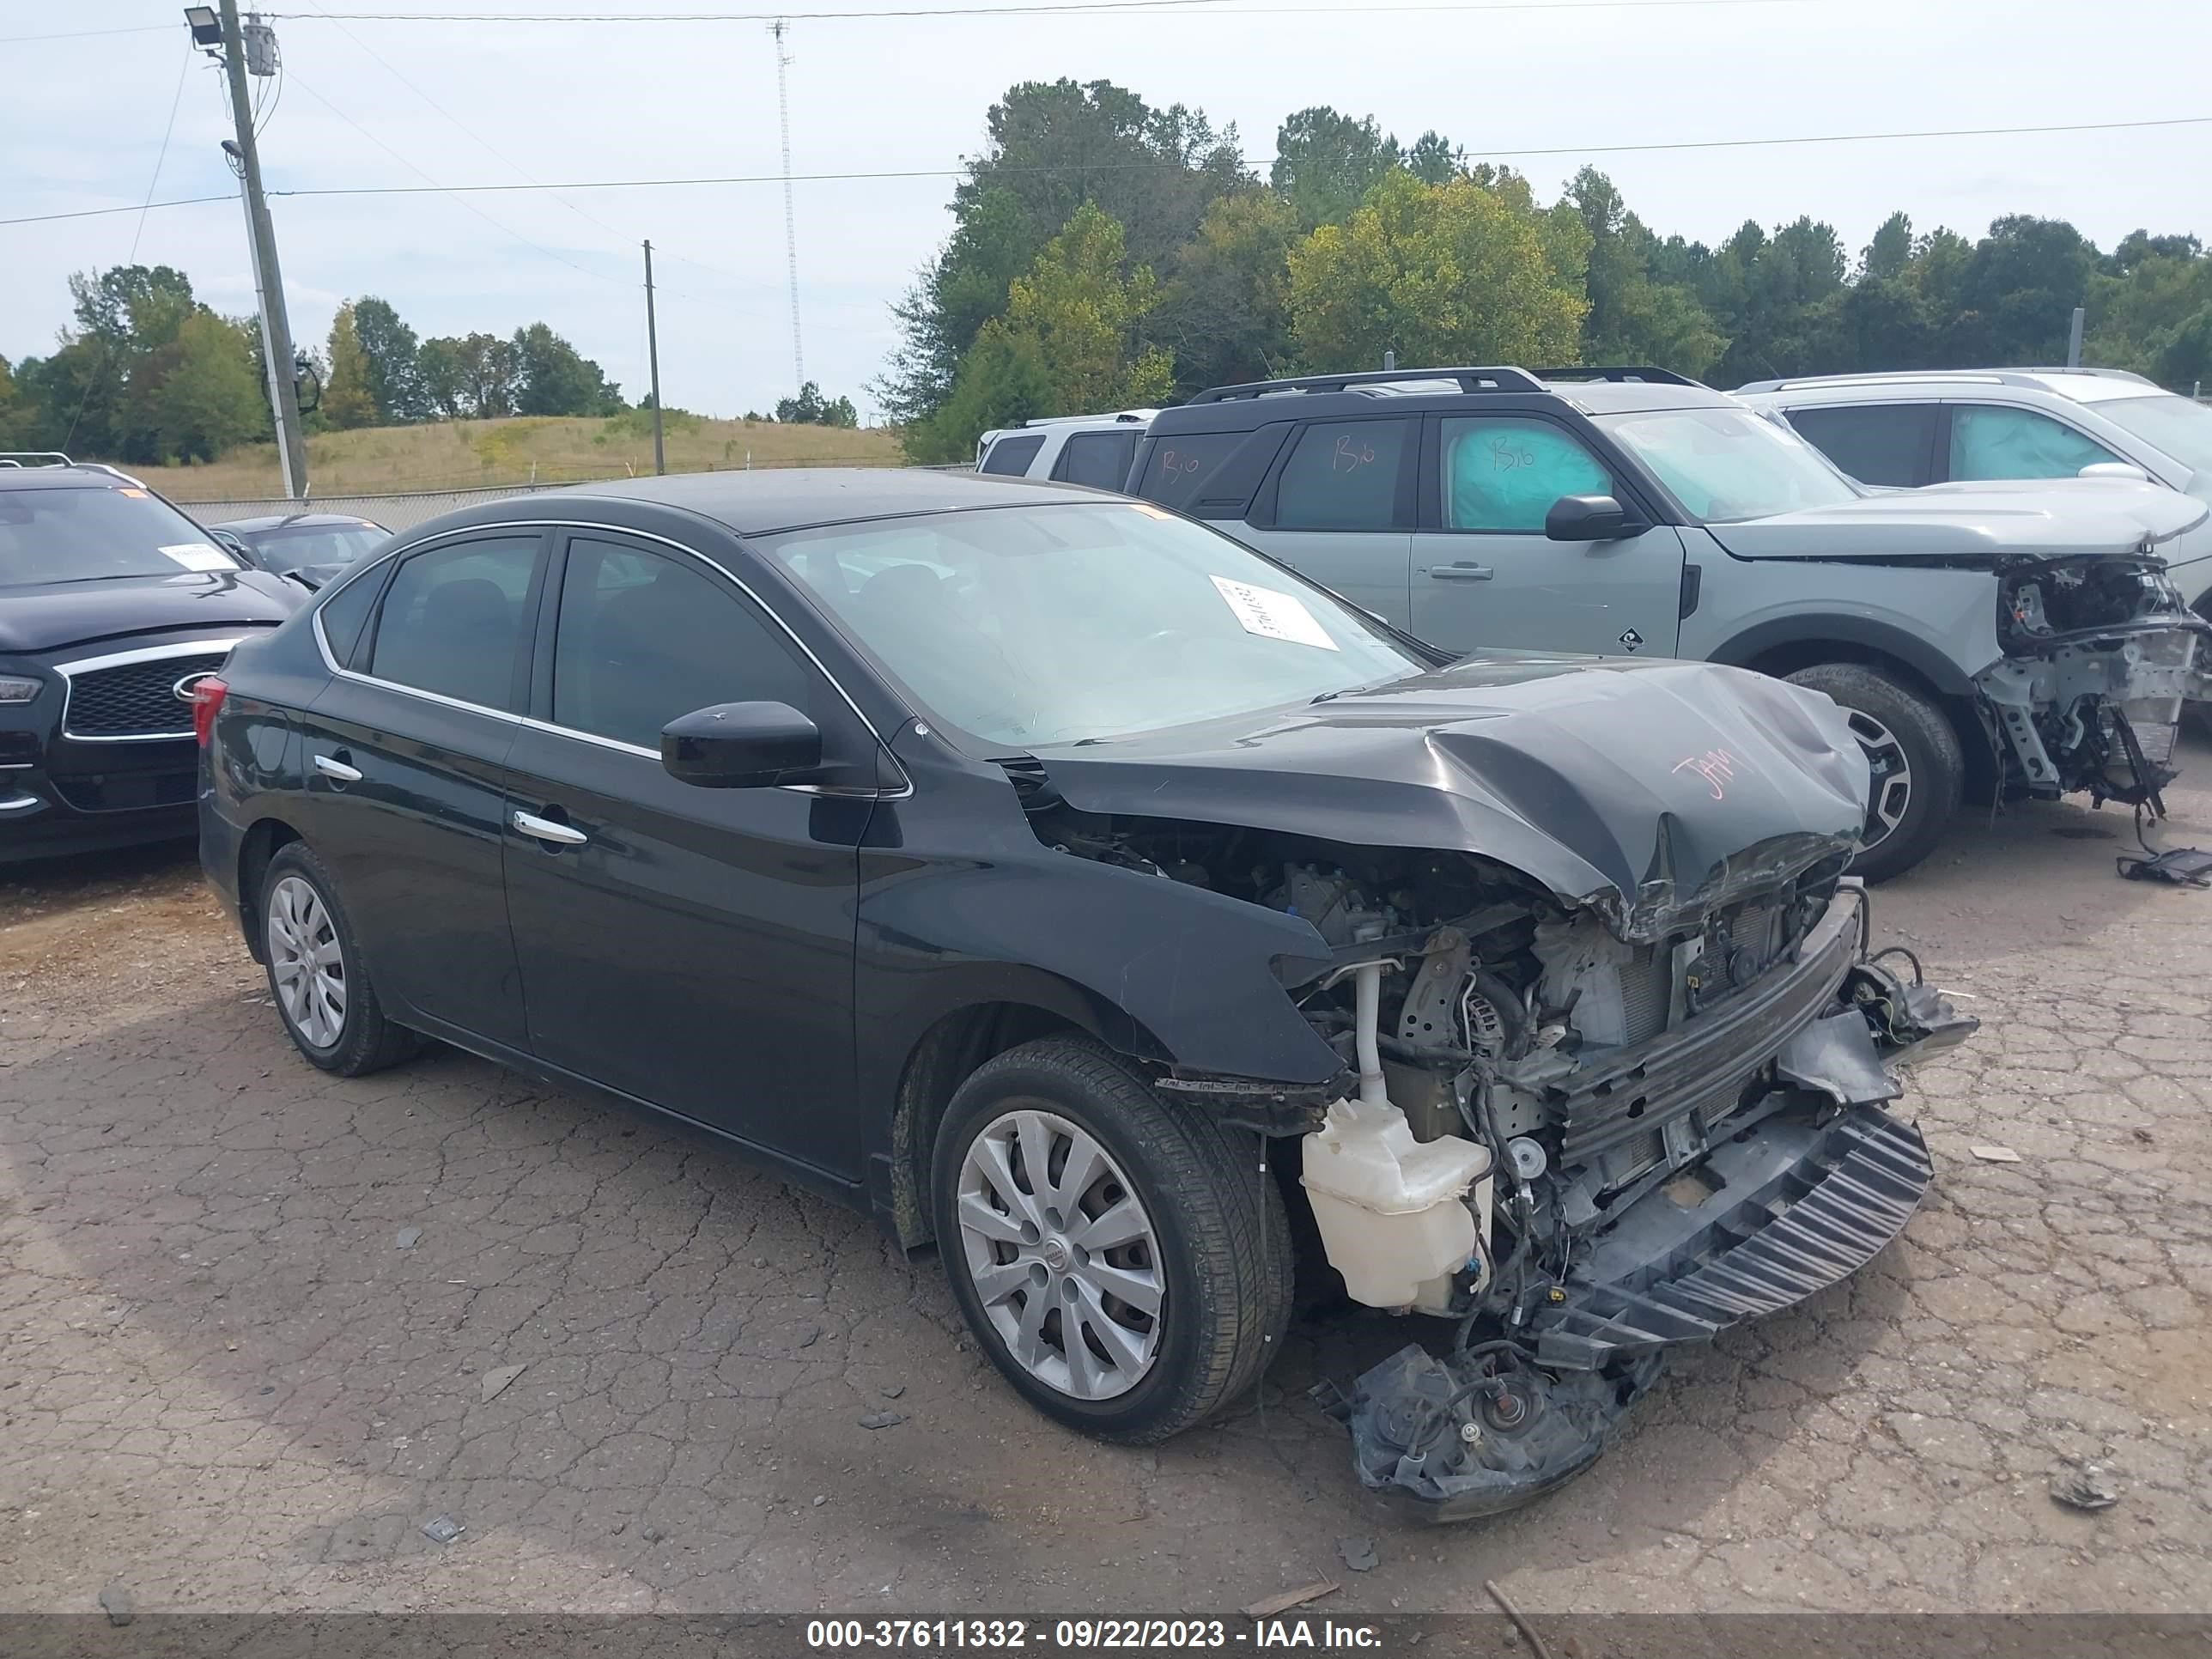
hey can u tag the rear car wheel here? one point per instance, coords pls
(1918, 769)
(316, 975)
(1120, 1255)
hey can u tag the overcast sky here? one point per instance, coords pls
(81, 121)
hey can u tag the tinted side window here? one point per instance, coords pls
(1012, 455)
(1100, 460)
(1876, 443)
(1179, 469)
(1342, 475)
(643, 637)
(1504, 473)
(1991, 442)
(453, 619)
(343, 613)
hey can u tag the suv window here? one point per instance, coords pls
(1100, 460)
(1178, 468)
(453, 618)
(1501, 473)
(1990, 441)
(1342, 475)
(1887, 444)
(643, 637)
(1012, 455)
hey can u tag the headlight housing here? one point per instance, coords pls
(15, 688)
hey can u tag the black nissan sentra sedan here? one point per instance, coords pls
(1083, 892)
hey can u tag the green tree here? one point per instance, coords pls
(347, 402)
(388, 349)
(811, 408)
(1890, 250)
(1326, 162)
(1440, 274)
(1631, 319)
(553, 378)
(198, 395)
(2020, 288)
(1074, 328)
(1434, 159)
(18, 415)
(1225, 311)
(470, 377)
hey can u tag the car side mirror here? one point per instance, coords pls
(1589, 518)
(740, 745)
(2114, 469)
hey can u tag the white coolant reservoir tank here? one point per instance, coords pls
(1390, 1208)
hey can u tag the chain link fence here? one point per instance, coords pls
(401, 512)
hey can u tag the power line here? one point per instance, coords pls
(1111, 167)
(84, 34)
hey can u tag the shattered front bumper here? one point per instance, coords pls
(1791, 1206)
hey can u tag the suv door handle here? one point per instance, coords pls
(330, 767)
(1461, 572)
(547, 831)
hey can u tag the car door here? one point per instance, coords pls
(691, 947)
(404, 755)
(1339, 508)
(1890, 446)
(1484, 573)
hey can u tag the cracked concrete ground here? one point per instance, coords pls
(255, 1323)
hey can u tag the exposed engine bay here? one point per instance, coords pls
(1576, 1150)
(2099, 654)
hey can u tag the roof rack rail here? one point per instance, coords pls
(2083, 368)
(34, 458)
(1648, 373)
(1470, 379)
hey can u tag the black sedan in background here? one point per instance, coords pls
(112, 606)
(1052, 875)
(314, 546)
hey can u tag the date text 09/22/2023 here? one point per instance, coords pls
(1087, 1635)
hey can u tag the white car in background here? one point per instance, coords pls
(1958, 426)
(1079, 449)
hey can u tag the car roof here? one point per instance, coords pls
(65, 478)
(2087, 386)
(755, 503)
(277, 521)
(1421, 391)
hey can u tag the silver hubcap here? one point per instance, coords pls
(1889, 791)
(1061, 1255)
(306, 963)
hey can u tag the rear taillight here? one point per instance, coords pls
(206, 699)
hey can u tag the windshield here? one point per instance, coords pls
(1025, 627)
(1726, 466)
(97, 533)
(2179, 426)
(292, 547)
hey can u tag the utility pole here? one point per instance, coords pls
(790, 219)
(268, 278)
(652, 356)
(2073, 338)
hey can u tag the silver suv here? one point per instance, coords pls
(1079, 449)
(2022, 635)
(1967, 425)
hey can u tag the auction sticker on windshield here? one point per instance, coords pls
(199, 555)
(1273, 615)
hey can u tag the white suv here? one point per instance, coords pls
(1969, 425)
(1079, 449)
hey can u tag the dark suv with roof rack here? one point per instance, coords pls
(1629, 511)
(112, 606)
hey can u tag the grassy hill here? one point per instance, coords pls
(468, 454)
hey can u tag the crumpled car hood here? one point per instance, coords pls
(1648, 791)
(1976, 523)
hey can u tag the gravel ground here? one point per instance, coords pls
(258, 1326)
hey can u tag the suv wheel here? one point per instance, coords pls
(1119, 1255)
(316, 977)
(1918, 769)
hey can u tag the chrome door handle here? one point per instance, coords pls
(337, 768)
(1462, 572)
(545, 829)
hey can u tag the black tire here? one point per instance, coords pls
(365, 1041)
(1223, 1255)
(1922, 734)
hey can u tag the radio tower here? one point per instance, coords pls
(790, 220)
